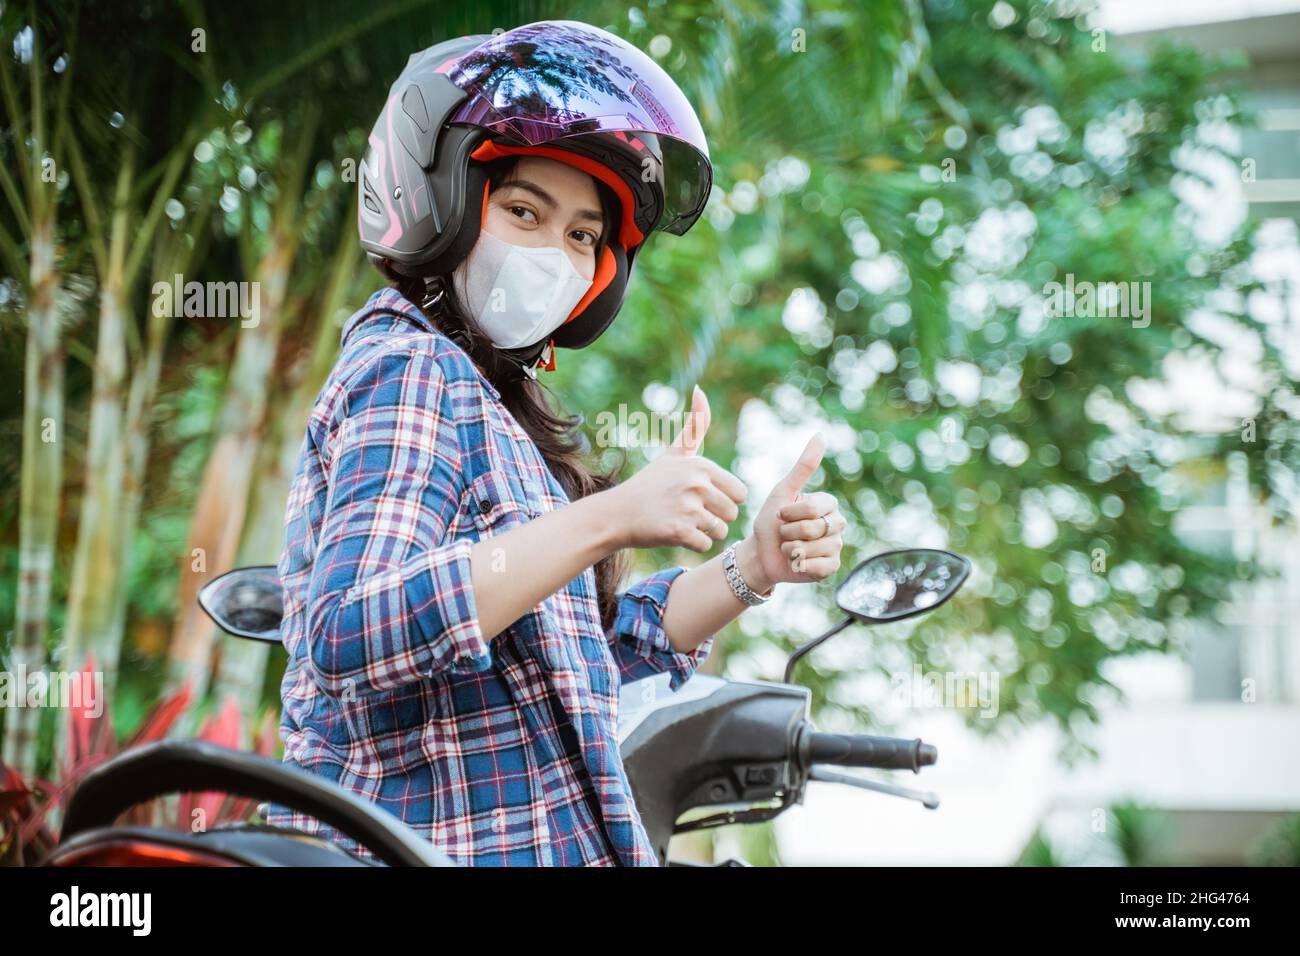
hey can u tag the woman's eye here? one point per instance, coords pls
(589, 235)
(525, 209)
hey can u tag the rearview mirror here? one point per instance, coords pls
(900, 584)
(246, 602)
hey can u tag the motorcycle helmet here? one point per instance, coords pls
(560, 89)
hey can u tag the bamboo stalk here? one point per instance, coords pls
(222, 505)
(241, 672)
(97, 572)
(43, 405)
(173, 255)
(222, 502)
(42, 472)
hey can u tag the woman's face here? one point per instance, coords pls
(548, 203)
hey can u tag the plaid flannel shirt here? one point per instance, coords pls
(500, 750)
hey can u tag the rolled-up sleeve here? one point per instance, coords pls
(388, 604)
(640, 645)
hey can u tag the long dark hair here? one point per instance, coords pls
(558, 438)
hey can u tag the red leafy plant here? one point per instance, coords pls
(25, 835)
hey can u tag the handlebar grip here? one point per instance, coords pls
(861, 750)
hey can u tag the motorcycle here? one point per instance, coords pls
(737, 751)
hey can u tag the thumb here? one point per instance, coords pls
(691, 437)
(803, 469)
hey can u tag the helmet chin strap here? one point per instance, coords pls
(525, 361)
(529, 358)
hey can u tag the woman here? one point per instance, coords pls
(456, 641)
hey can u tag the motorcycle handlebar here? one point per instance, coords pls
(861, 750)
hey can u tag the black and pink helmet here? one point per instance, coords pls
(556, 88)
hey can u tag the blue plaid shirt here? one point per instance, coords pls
(499, 750)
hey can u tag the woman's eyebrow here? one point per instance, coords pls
(544, 196)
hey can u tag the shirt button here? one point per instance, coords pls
(484, 506)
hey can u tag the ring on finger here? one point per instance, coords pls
(827, 521)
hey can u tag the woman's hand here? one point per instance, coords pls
(680, 499)
(796, 536)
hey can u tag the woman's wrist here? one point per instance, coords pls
(750, 567)
(609, 519)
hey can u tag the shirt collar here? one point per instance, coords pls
(391, 304)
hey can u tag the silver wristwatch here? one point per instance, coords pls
(738, 585)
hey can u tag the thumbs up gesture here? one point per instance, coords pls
(796, 535)
(681, 499)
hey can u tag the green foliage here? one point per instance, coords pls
(954, 169)
(1039, 852)
(1280, 846)
(1139, 834)
(1134, 835)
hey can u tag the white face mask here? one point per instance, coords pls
(518, 294)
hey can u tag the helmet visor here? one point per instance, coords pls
(544, 81)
